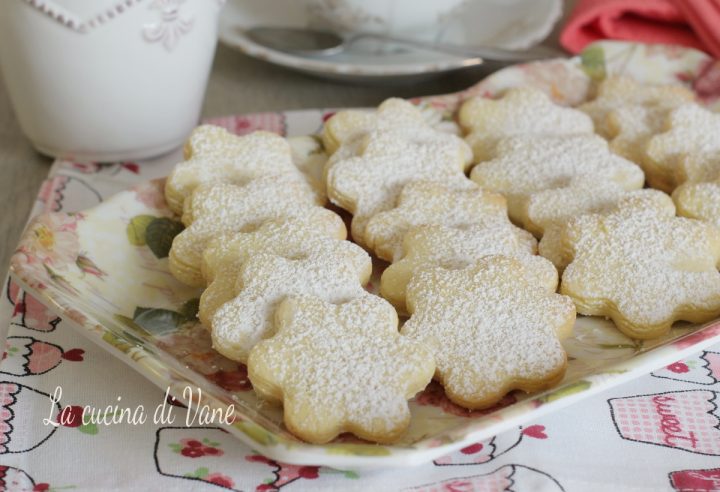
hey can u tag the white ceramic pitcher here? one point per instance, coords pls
(106, 80)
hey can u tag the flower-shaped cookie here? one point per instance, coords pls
(334, 270)
(521, 111)
(392, 114)
(218, 209)
(427, 203)
(214, 155)
(618, 92)
(528, 165)
(644, 269)
(490, 329)
(365, 176)
(224, 256)
(699, 201)
(689, 149)
(450, 247)
(633, 127)
(340, 368)
(551, 245)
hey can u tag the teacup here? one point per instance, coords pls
(107, 80)
(405, 18)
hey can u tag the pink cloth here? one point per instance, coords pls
(693, 23)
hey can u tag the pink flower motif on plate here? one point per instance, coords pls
(49, 246)
(244, 124)
(152, 194)
(707, 84)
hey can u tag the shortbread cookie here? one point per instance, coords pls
(617, 92)
(457, 248)
(490, 329)
(214, 155)
(427, 203)
(688, 150)
(224, 256)
(340, 368)
(365, 176)
(310, 158)
(392, 114)
(528, 165)
(633, 127)
(551, 246)
(213, 210)
(643, 269)
(333, 270)
(699, 201)
(521, 111)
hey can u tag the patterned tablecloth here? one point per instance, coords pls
(659, 432)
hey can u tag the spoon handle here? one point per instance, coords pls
(485, 52)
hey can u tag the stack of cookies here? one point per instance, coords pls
(459, 213)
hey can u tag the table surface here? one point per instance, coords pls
(238, 84)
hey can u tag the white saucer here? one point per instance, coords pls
(513, 24)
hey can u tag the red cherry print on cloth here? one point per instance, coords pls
(192, 452)
(696, 480)
(220, 479)
(192, 448)
(71, 416)
(284, 473)
(472, 449)
(678, 367)
(309, 472)
(536, 431)
(74, 355)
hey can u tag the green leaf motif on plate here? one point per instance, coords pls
(256, 433)
(158, 321)
(190, 308)
(571, 389)
(159, 235)
(358, 450)
(137, 228)
(593, 62)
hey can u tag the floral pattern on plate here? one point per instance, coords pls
(105, 269)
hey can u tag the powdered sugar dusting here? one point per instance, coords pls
(392, 114)
(367, 176)
(699, 201)
(214, 155)
(551, 246)
(689, 149)
(489, 328)
(618, 92)
(644, 269)
(527, 165)
(334, 270)
(521, 111)
(457, 248)
(341, 368)
(219, 209)
(427, 203)
(292, 237)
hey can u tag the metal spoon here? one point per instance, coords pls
(317, 42)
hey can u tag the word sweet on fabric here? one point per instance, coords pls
(164, 413)
(670, 423)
